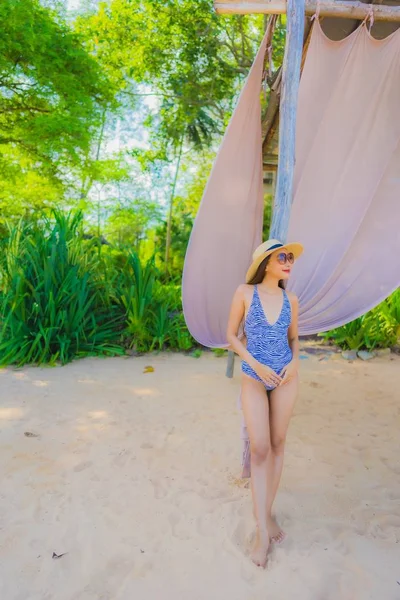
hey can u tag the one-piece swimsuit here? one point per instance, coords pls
(267, 343)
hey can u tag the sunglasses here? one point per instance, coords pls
(284, 257)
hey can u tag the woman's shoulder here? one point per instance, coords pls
(244, 290)
(294, 301)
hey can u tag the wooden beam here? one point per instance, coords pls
(288, 116)
(328, 8)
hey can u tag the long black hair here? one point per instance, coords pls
(260, 274)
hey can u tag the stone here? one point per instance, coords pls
(318, 350)
(336, 356)
(383, 352)
(349, 355)
(365, 355)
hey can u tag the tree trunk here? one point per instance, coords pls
(171, 205)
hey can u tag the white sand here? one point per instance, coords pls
(133, 475)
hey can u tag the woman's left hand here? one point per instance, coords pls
(289, 372)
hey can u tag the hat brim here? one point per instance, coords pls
(294, 247)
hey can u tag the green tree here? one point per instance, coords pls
(191, 61)
(52, 92)
(129, 225)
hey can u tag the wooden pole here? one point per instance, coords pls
(231, 364)
(288, 114)
(328, 8)
(171, 208)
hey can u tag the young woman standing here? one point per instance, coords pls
(269, 375)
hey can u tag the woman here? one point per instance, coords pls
(269, 375)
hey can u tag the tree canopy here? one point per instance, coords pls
(51, 91)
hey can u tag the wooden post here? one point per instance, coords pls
(288, 113)
(231, 364)
(328, 8)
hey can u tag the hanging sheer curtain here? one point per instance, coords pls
(229, 222)
(346, 207)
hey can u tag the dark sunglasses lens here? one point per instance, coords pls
(282, 258)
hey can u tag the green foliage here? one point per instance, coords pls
(128, 225)
(152, 310)
(51, 90)
(53, 306)
(63, 296)
(379, 328)
(133, 290)
(268, 203)
(191, 60)
(220, 352)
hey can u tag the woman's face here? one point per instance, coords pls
(280, 264)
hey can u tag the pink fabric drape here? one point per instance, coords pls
(228, 225)
(346, 207)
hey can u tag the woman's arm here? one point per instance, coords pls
(235, 318)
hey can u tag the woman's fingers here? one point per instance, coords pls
(270, 378)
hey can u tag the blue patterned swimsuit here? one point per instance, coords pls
(267, 343)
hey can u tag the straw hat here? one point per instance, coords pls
(267, 248)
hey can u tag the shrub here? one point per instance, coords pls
(379, 328)
(54, 305)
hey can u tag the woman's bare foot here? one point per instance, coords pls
(277, 535)
(260, 550)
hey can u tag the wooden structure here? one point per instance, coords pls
(340, 18)
(328, 8)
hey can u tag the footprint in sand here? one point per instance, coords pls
(315, 384)
(240, 536)
(82, 466)
(180, 529)
(392, 465)
(122, 458)
(141, 570)
(243, 532)
(385, 527)
(205, 525)
(209, 520)
(160, 487)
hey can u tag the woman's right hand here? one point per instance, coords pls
(267, 375)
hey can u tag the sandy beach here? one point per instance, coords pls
(134, 478)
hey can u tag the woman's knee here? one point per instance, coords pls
(277, 443)
(260, 451)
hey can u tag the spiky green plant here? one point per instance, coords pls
(53, 304)
(379, 328)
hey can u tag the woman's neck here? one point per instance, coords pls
(270, 284)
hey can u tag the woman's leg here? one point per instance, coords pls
(281, 404)
(256, 414)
